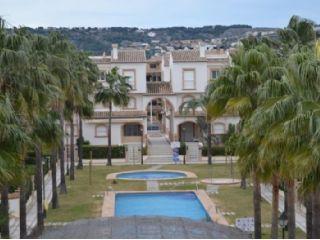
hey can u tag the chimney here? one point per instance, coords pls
(114, 53)
(202, 50)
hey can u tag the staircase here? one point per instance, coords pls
(159, 149)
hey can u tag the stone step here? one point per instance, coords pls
(159, 159)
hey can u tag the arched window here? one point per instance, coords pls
(187, 98)
(101, 131)
(218, 128)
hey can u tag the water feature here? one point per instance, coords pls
(151, 175)
(169, 204)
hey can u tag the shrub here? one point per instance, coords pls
(102, 151)
(215, 151)
(182, 149)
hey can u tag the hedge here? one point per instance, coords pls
(215, 151)
(102, 151)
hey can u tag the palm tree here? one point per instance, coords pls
(88, 75)
(202, 103)
(115, 91)
(236, 91)
(10, 135)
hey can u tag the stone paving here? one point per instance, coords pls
(142, 227)
(266, 193)
(152, 186)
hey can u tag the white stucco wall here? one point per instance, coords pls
(200, 76)
(141, 73)
(225, 121)
(89, 134)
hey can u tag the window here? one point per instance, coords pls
(131, 130)
(130, 74)
(101, 131)
(215, 74)
(152, 65)
(131, 104)
(218, 128)
(102, 76)
(189, 79)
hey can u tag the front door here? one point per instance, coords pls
(187, 132)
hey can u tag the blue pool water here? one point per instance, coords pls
(169, 204)
(150, 175)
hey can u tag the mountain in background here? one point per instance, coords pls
(98, 40)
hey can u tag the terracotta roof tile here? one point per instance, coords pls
(100, 60)
(187, 56)
(119, 114)
(130, 56)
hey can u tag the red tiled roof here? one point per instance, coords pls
(119, 114)
(130, 56)
(187, 56)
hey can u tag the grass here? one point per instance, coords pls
(230, 198)
(79, 202)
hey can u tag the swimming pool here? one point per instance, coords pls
(169, 204)
(151, 175)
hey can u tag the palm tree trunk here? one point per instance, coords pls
(243, 183)
(54, 201)
(309, 215)
(291, 208)
(38, 185)
(71, 149)
(80, 144)
(23, 207)
(63, 187)
(109, 135)
(275, 206)
(4, 212)
(257, 206)
(209, 143)
(316, 214)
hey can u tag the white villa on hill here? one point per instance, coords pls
(160, 85)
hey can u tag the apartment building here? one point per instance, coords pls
(159, 86)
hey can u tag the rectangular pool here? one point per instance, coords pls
(169, 204)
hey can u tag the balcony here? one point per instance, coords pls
(159, 88)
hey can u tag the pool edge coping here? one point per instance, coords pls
(108, 207)
(113, 176)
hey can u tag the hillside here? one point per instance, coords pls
(99, 40)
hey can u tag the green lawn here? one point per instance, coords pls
(230, 198)
(79, 203)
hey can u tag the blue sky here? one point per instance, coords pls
(156, 13)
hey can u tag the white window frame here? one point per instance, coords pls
(184, 80)
(132, 74)
(99, 134)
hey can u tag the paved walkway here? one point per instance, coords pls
(152, 186)
(266, 192)
(159, 149)
(142, 227)
(168, 160)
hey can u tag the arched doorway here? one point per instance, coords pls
(188, 132)
(160, 116)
